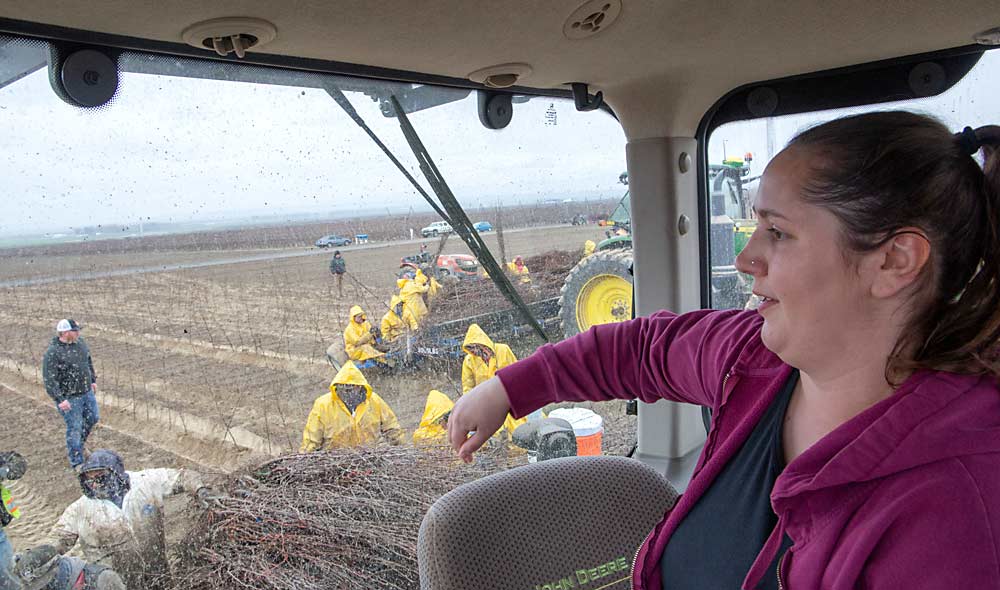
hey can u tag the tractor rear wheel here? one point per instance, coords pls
(597, 291)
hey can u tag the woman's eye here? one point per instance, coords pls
(776, 234)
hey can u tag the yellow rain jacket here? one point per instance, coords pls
(412, 295)
(588, 248)
(393, 326)
(330, 425)
(358, 339)
(520, 273)
(475, 371)
(433, 286)
(430, 432)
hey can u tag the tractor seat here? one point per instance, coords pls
(573, 522)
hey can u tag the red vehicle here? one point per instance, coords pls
(461, 266)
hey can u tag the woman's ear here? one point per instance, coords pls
(903, 256)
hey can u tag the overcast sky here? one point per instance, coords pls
(177, 149)
(174, 149)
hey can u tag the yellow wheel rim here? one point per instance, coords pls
(604, 299)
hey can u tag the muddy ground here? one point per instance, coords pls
(210, 368)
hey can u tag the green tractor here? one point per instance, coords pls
(598, 290)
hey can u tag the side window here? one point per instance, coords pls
(739, 153)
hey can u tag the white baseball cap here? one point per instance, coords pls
(67, 326)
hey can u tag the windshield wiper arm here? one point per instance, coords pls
(455, 215)
(460, 221)
(338, 96)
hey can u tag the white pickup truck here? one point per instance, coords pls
(436, 228)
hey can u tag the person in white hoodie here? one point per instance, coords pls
(118, 521)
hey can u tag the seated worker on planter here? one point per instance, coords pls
(433, 429)
(483, 358)
(360, 337)
(12, 467)
(118, 521)
(519, 270)
(433, 286)
(412, 295)
(43, 568)
(350, 415)
(397, 320)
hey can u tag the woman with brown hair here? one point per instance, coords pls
(856, 433)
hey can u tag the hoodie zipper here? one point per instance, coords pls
(781, 560)
(635, 557)
(710, 443)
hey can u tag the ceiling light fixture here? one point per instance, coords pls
(230, 35)
(501, 76)
(988, 37)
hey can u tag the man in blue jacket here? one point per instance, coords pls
(70, 380)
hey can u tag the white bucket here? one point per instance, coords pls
(584, 422)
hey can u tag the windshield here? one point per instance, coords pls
(189, 227)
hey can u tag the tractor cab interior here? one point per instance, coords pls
(693, 99)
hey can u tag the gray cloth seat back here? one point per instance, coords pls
(574, 522)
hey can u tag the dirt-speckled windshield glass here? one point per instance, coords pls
(274, 282)
(738, 154)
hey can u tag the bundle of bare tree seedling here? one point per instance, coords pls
(333, 520)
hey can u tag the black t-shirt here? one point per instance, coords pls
(717, 542)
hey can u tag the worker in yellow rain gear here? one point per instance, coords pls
(519, 270)
(119, 520)
(588, 248)
(12, 466)
(397, 320)
(433, 429)
(483, 358)
(350, 415)
(412, 295)
(360, 338)
(433, 286)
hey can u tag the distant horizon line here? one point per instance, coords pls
(264, 217)
(115, 231)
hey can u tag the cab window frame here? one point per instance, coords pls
(866, 84)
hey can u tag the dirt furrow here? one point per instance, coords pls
(175, 426)
(34, 428)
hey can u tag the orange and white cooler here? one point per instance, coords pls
(588, 427)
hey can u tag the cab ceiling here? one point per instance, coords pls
(661, 65)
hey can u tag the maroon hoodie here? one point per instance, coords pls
(904, 495)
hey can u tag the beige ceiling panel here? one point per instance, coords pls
(662, 64)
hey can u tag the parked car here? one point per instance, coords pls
(332, 240)
(436, 228)
(482, 226)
